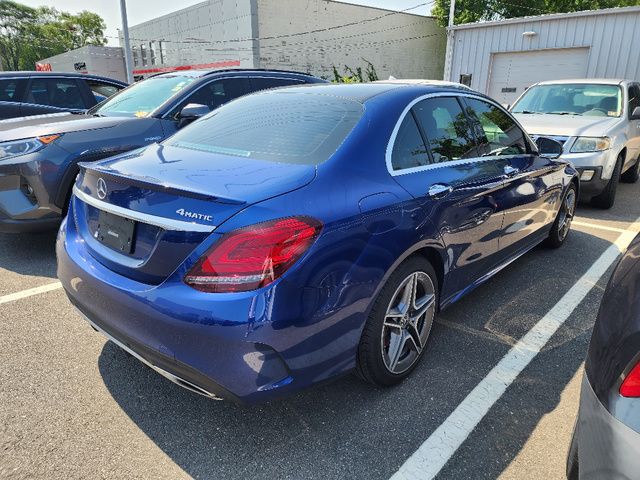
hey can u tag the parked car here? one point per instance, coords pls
(39, 155)
(597, 121)
(606, 437)
(35, 93)
(296, 234)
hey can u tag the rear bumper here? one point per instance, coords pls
(607, 448)
(249, 347)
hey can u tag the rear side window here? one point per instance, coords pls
(8, 90)
(55, 92)
(289, 127)
(409, 150)
(497, 132)
(447, 129)
(259, 83)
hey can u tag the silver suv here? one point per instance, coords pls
(598, 123)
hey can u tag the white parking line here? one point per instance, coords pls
(605, 227)
(12, 297)
(436, 451)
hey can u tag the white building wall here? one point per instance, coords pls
(105, 61)
(612, 36)
(204, 34)
(398, 44)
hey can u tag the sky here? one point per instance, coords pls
(139, 10)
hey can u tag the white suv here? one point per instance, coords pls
(598, 123)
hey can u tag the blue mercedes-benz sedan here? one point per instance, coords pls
(295, 235)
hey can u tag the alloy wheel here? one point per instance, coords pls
(407, 322)
(567, 211)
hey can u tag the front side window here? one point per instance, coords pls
(597, 100)
(62, 93)
(447, 129)
(279, 126)
(634, 98)
(497, 132)
(216, 93)
(141, 99)
(409, 150)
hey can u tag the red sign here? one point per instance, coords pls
(43, 67)
(225, 64)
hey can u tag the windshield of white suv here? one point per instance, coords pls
(142, 98)
(595, 100)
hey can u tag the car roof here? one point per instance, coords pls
(198, 73)
(598, 81)
(28, 73)
(362, 92)
(418, 81)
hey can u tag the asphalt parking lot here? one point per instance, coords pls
(75, 406)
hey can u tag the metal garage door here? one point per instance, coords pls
(512, 73)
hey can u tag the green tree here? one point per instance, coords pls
(30, 34)
(474, 10)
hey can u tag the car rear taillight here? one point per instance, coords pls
(631, 385)
(254, 256)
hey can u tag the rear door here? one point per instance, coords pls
(533, 184)
(51, 95)
(11, 90)
(435, 157)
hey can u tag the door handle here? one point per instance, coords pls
(439, 190)
(510, 171)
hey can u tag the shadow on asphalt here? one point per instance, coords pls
(29, 254)
(348, 429)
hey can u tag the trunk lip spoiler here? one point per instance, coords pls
(155, 220)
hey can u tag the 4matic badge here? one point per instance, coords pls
(195, 216)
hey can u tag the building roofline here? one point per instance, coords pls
(155, 19)
(328, 1)
(550, 16)
(380, 9)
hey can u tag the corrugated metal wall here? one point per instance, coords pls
(613, 37)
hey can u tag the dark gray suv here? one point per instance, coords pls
(39, 155)
(35, 93)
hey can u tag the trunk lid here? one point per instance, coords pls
(175, 198)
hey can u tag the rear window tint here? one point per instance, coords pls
(292, 127)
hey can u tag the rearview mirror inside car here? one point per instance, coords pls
(635, 115)
(548, 147)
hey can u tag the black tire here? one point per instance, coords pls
(573, 464)
(608, 196)
(373, 355)
(633, 174)
(562, 225)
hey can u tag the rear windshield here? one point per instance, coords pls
(289, 127)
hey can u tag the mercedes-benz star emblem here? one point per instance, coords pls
(101, 189)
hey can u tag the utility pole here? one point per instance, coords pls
(448, 57)
(127, 46)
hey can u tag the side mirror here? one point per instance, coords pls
(191, 112)
(548, 147)
(635, 115)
